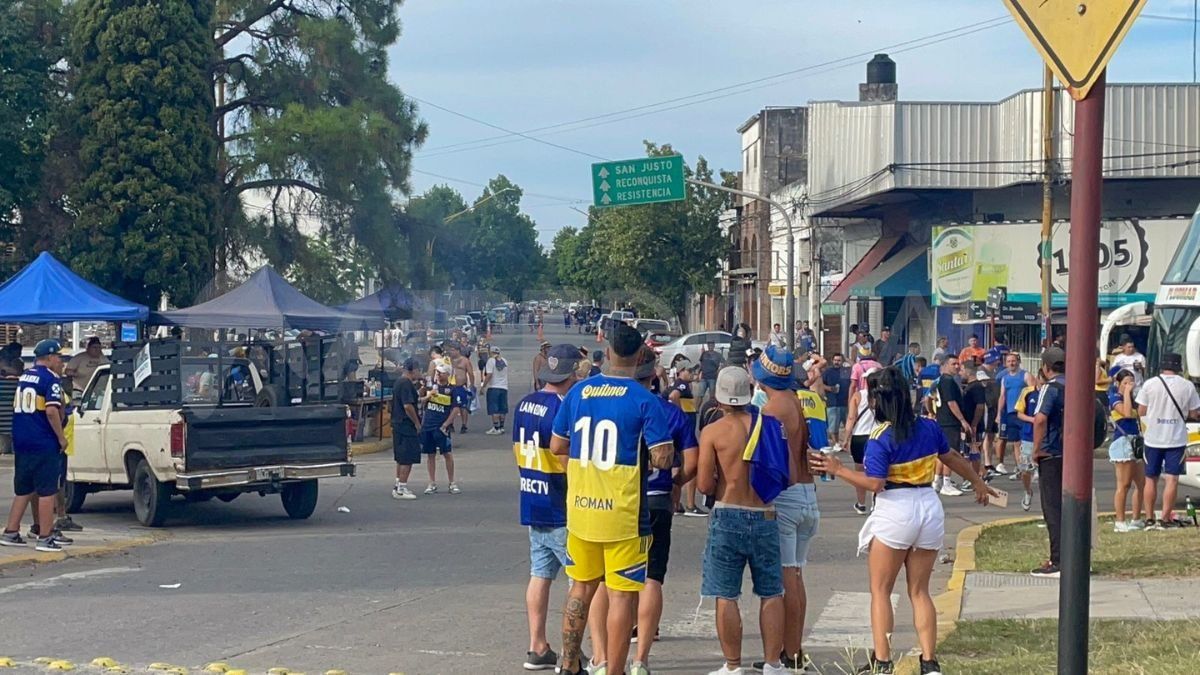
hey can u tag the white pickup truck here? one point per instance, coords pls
(200, 428)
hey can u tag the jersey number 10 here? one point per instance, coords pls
(25, 401)
(598, 448)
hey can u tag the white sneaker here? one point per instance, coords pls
(493, 432)
(1014, 475)
(1121, 526)
(769, 669)
(402, 492)
(1000, 468)
(949, 490)
(454, 489)
(966, 485)
(1027, 501)
(725, 670)
(431, 489)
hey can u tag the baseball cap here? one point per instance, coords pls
(444, 368)
(544, 344)
(560, 364)
(1054, 357)
(991, 358)
(734, 386)
(647, 362)
(1172, 361)
(495, 349)
(982, 375)
(773, 368)
(46, 348)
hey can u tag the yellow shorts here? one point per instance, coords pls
(622, 564)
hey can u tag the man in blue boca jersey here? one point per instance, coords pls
(543, 486)
(659, 485)
(38, 444)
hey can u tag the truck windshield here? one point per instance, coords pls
(1185, 266)
(1169, 334)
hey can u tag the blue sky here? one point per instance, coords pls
(525, 64)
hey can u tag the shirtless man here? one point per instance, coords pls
(742, 529)
(796, 507)
(464, 383)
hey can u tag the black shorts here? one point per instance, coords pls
(37, 473)
(660, 543)
(406, 449)
(435, 441)
(858, 447)
(953, 438)
(497, 401)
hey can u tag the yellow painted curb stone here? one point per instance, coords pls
(278, 671)
(235, 672)
(104, 662)
(60, 665)
(217, 667)
(335, 672)
(6, 662)
(949, 603)
(44, 660)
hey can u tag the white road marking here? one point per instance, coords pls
(63, 578)
(845, 621)
(438, 652)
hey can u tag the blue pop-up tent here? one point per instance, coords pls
(391, 302)
(47, 291)
(266, 300)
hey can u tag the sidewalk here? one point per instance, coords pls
(93, 541)
(992, 595)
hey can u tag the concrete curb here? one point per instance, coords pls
(369, 448)
(949, 603)
(34, 558)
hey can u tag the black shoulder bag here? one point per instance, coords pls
(1173, 401)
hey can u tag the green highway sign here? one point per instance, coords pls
(646, 180)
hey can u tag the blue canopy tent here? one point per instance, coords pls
(47, 291)
(392, 303)
(266, 300)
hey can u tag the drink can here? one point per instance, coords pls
(825, 477)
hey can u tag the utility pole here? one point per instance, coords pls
(790, 302)
(1048, 124)
(1086, 191)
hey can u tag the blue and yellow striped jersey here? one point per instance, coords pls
(913, 462)
(815, 416)
(543, 478)
(610, 423)
(38, 388)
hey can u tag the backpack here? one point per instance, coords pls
(1099, 419)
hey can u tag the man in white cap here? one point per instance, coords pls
(440, 405)
(742, 525)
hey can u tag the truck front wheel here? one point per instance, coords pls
(151, 499)
(299, 499)
(75, 494)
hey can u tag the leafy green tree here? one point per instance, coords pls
(144, 104)
(308, 121)
(31, 85)
(423, 222)
(329, 270)
(503, 253)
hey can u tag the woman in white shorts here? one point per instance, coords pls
(907, 527)
(1131, 472)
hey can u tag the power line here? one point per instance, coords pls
(507, 131)
(729, 90)
(570, 200)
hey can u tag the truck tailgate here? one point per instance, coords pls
(230, 438)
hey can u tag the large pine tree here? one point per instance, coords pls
(149, 191)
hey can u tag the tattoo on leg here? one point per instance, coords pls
(575, 615)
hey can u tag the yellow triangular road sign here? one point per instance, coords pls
(1076, 38)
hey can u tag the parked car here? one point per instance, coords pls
(692, 344)
(656, 340)
(645, 326)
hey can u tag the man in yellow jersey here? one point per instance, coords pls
(610, 428)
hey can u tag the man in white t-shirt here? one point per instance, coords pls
(495, 379)
(1132, 360)
(1165, 404)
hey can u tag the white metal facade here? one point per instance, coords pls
(859, 149)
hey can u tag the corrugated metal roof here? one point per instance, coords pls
(860, 149)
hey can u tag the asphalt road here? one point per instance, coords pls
(430, 586)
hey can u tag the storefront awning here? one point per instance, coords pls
(874, 256)
(905, 272)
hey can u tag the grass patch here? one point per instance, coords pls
(1166, 553)
(1006, 646)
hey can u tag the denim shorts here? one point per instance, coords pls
(797, 514)
(1120, 450)
(835, 416)
(1025, 463)
(547, 551)
(736, 538)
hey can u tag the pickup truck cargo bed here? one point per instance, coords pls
(230, 438)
